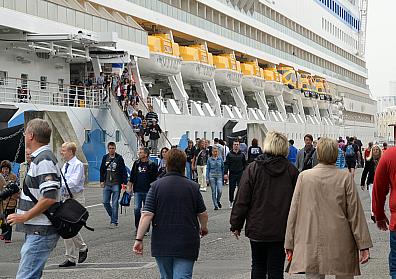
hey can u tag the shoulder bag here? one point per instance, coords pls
(68, 216)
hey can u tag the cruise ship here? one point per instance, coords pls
(210, 69)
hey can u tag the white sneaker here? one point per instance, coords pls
(231, 204)
(203, 189)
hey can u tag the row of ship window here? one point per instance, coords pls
(342, 13)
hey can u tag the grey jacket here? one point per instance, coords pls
(300, 159)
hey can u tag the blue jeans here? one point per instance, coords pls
(233, 183)
(140, 199)
(392, 255)
(34, 254)
(113, 193)
(216, 183)
(188, 170)
(175, 268)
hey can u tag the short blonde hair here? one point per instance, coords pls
(72, 146)
(276, 144)
(327, 151)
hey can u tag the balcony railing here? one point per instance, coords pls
(17, 90)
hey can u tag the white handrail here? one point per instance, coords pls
(45, 93)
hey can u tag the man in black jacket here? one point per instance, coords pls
(143, 173)
(112, 175)
(233, 167)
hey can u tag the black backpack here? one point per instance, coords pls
(68, 216)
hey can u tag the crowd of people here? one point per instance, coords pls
(291, 203)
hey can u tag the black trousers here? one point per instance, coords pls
(268, 259)
(233, 183)
(6, 228)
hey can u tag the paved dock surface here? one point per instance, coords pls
(221, 256)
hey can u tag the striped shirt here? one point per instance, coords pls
(43, 181)
(150, 116)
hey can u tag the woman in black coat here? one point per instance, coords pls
(369, 171)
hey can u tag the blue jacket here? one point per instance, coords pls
(340, 159)
(292, 157)
(214, 167)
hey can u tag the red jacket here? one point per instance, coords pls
(385, 180)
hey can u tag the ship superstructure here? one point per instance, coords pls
(204, 65)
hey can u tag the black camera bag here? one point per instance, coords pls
(68, 216)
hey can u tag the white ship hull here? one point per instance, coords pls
(45, 66)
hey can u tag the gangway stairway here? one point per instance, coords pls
(125, 127)
(143, 94)
(163, 141)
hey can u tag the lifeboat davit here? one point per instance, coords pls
(253, 77)
(197, 64)
(164, 57)
(228, 70)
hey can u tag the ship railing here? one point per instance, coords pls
(18, 90)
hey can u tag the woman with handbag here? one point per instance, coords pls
(9, 204)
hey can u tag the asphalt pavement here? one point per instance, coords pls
(221, 255)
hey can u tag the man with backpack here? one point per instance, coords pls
(143, 173)
(352, 153)
(112, 175)
(306, 157)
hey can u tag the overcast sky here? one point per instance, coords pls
(381, 45)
